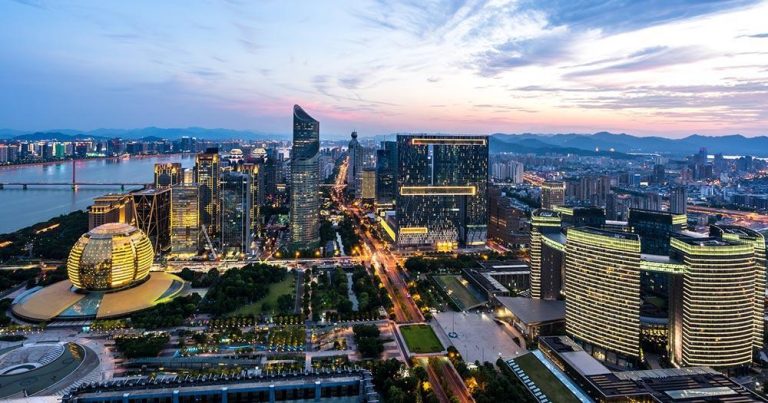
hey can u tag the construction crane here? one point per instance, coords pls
(210, 244)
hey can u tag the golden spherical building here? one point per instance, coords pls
(110, 257)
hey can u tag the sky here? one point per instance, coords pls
(666, 67)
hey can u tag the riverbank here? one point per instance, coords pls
(61, 161)
(50, 239)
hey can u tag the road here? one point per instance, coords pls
(742, 217)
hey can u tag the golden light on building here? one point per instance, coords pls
(713, 318)
(603, 287)
(109, 257)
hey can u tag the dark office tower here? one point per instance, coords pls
(168, 174)
(547, 259)
(602, 304)
(655, 228)
(552, 194)
(442, 191)
(581, 216)
(386, 169)
(659, 174)
(207, 178)
(188, 144)
(355, 169)
(712, 321)
(678, 200)
(152, 213)
(305, 177)
(235, 213)
(256, 172)
(758, 242)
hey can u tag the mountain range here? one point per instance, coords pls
(600, 143)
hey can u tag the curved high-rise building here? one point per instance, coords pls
(305, 178)
(713, 314)
(602, 304)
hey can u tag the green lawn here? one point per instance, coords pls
(545, 380)
(287, 286)
(421, 339)
(462, 294)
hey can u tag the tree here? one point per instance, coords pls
(285, 303)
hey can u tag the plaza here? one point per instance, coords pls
(477, 336)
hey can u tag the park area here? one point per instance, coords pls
(421, 339)
(544, 379)
(287, 286)
(458, 290)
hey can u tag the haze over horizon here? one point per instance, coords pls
(673, 69)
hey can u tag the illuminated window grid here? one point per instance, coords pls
(603, 288)
(413, 230)
(537, 222)
(459, 141)
(438, 190)
(718, 310)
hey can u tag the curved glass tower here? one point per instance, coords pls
(305, 177)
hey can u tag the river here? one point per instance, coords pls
(21, 208)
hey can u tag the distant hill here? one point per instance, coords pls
(625, 143)
(141, 134)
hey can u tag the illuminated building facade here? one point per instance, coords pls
(110, 208)
(602, 305)
(168, 174)
(712, 314)
(305, 177)
(152, 214)
(546, 273)
(758, 242)
(355, 169)
(368, 182)
(552, 194)
(580, 216)
(206, 176)
(442, 191)
(185, 220)
(235, 212)
(110, 257)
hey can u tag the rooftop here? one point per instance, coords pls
(531, 311)
(608, 233)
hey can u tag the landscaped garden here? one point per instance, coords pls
(421, 339)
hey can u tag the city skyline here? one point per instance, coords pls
(385, 67)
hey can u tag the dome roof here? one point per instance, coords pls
(109, 257)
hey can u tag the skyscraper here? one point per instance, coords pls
(546, 257)
(152, 212)
(386, 169)
(355, 170)
(256, 172)
(305, 173)
(168, 174)
(368, 184)
(552, 194)
(235, 213)
(207, 178)
(110, 208)
(602, 304)
(185, 220)
(442, 193)
(712, 311)
(678, 200)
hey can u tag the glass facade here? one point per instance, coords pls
(152, 214)
(386, 168)
(110, 257)
(305, 177)
(655, 227)
(544, 222)
(235, 212)
(168, 174)
(442, 190)
(206, 176)
(185, 220)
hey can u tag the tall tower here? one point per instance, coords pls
(236, 212)
(546, 274)
(678, 200)
(207, 178)
(168, 174)
(552, 194)
(355, 171)
(602, 304)
(305, 177)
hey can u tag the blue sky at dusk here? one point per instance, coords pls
(667, 68)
